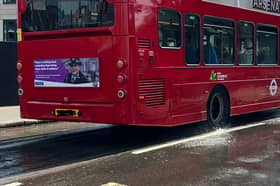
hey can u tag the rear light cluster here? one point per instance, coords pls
(121, 78)
(19, 77)
(121, 64)
(121, 94)
(19, 65)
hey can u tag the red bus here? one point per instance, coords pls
(147, 62)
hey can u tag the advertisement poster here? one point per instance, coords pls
(69, 72)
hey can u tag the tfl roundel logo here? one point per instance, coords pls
(273, 87)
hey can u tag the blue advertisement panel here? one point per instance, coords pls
(69, 72)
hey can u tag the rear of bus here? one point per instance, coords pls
(73, 60)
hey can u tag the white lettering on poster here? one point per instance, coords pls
(45, 65)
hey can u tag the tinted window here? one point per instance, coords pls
(9, 29)
(218, 41)
(192, 39)
(245, 43)
(169, 26)
(267, 38)
(44, 15)
(9, 1)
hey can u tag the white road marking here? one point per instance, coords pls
(113, 184)
(199, 137)
(13, 184)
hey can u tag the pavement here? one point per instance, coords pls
(12, 127)
(10, 117)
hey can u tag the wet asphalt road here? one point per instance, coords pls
(246, 157)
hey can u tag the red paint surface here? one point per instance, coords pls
(186, 88)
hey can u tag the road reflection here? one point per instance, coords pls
(65, 149)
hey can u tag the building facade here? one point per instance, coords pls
(8, 20)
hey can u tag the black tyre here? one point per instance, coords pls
(218, 108)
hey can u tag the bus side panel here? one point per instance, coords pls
(121, 48)
(153, 95)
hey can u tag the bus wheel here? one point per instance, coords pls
(218, 108)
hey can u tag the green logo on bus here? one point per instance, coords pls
(213, 76)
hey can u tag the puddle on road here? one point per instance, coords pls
(219, 138)
(253, 159)
(229, 173)
(237, 171)
(260, 176)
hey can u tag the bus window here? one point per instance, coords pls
(169, 27)
(245, 43)
(267, 39)
(192, 39)
(46, 15)
(218, 40)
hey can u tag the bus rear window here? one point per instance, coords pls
(47, 15)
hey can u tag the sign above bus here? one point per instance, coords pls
(267, 5)
(271, 6)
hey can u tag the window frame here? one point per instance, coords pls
(6, 2)
(32, 22)
(233, 34)
(5, 30)
(181, 33)
(277, 44)
(199, 39)
(254, 43)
